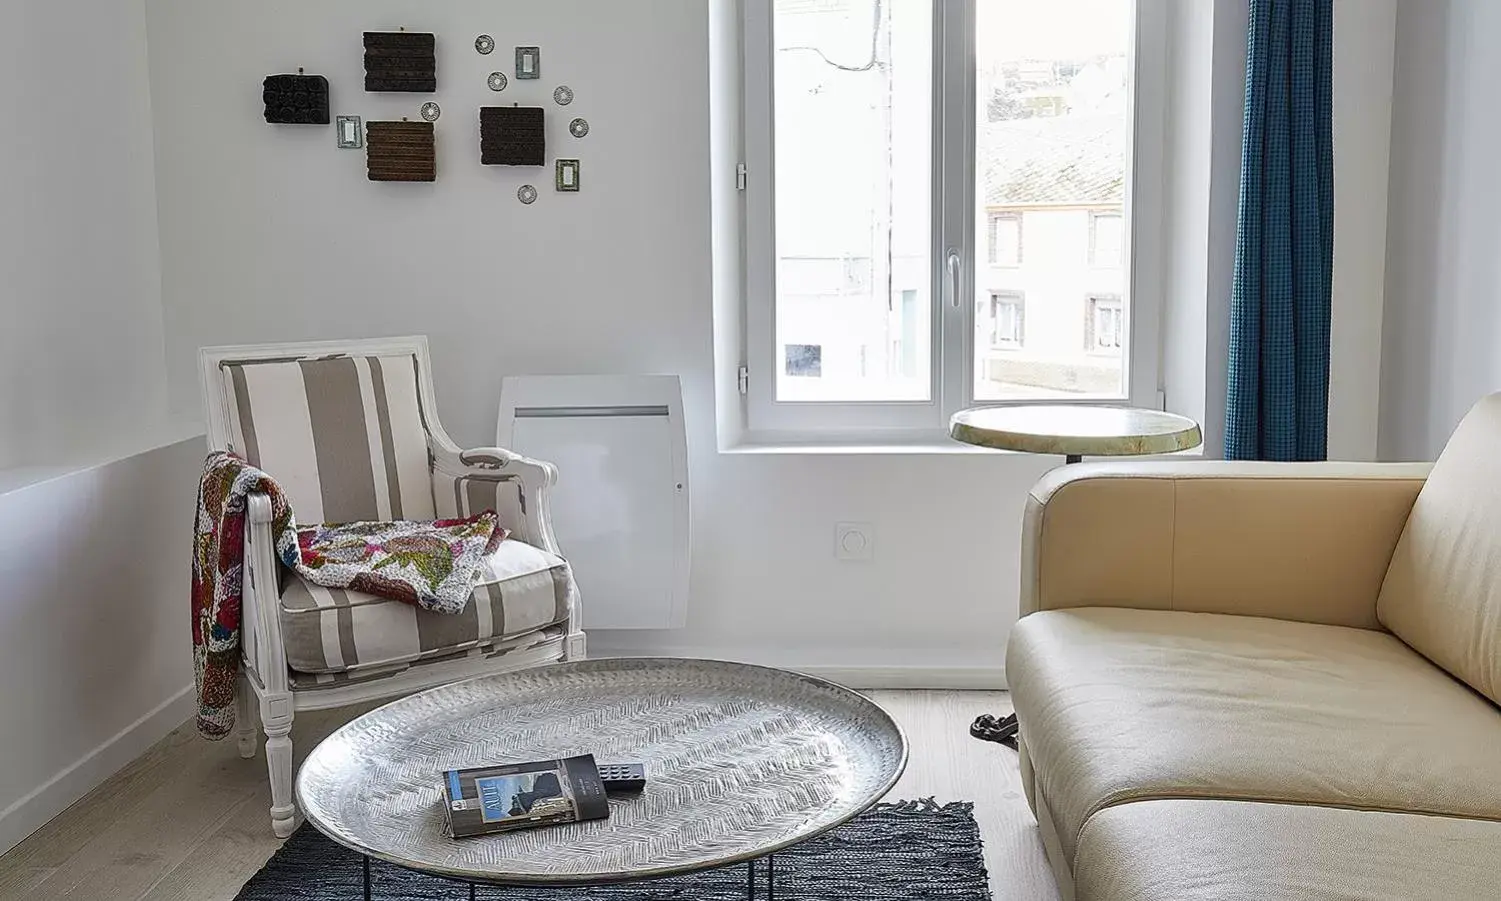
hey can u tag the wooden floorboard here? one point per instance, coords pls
(188, 821)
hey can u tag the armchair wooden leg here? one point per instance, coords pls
(245, 725)
(278, 728)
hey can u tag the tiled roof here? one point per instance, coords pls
(1075, 159)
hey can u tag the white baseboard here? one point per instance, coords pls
(31, 812)
(865, 670)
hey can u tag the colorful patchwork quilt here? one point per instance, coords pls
(433, 565)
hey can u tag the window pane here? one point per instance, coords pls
(1052, 132)
(853, 84)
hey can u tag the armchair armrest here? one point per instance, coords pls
(1297, 541)
(535, 479)
(260, 627)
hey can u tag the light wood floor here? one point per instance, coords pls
(188, 820)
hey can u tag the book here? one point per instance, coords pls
(488, 799)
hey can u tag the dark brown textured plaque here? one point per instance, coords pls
(296, 99)
(512, 136)
(400, 61)
(400, 151)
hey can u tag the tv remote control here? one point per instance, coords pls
(623, 777)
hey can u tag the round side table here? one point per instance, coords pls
(1074, 431)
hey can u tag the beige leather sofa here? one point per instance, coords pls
(1266, 681)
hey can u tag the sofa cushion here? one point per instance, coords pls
(1174, 850)
(1119, 705)
(1442, 593)
(331, 630)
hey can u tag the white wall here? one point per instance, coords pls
(95, 493)
(270, 233)
(81, 354)
(95, 641)
(1364, 38)
(1442, 332)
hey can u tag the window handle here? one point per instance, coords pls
(954, 288)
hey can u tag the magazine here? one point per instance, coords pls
(482, 800)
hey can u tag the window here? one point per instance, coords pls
(880, 196)
(1107, 234)
(1104, 325)
(804, 361)
(1008, 320)
(1005, 239)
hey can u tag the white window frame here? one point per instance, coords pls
(952, 351)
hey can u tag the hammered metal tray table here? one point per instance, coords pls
(741, 761)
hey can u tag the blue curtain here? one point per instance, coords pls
(1278, 399)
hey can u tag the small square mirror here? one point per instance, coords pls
(351, 133)
(567, 178)
(528, 62)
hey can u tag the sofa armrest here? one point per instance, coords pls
(1297, 541)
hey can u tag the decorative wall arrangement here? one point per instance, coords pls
(400, 61)
(401, 151)
(403, 61)
(512, 136)
(296, 99)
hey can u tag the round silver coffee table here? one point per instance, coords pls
(741, 761)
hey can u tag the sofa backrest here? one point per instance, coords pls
(1442, 593)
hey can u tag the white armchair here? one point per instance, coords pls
(350, 431)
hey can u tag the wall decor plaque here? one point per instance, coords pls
(400, 151)
(512, 136)
(431, 111)
(578, 127)
(526, 194)
(296, 99)
(484, 44)
(528, 62)
(402, 61)
(566, 178)
(497, 81)
(562, 95)
(351, 132)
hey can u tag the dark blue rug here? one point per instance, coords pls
(895, 852)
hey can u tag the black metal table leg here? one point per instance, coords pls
(771, 877)
(366, 859)
(750, 881)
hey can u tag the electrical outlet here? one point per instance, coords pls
(854, 541)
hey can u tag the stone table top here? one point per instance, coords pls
(1075, 430)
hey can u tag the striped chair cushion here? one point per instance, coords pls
(531, 649)
(325, 630)
(342, 435)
